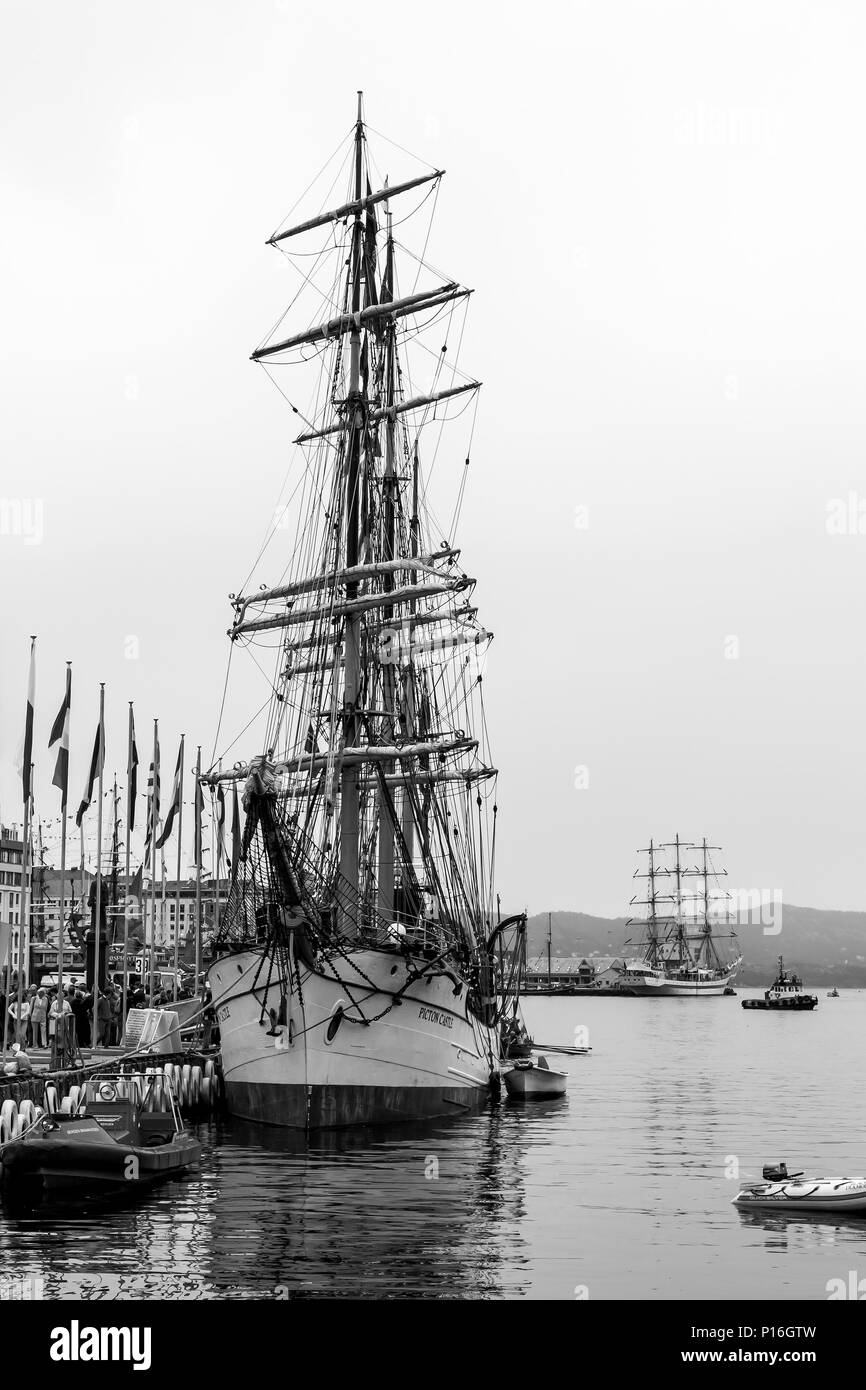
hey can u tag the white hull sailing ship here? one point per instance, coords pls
(354, 976)
(682, 931)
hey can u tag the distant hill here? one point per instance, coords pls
(824, 947)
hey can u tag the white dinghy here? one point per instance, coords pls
(531, 1078)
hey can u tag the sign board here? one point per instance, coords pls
(151, 1029)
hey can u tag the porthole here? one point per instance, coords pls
(334, 1024)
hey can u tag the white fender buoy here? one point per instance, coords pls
(65, 1106)
(209, 1068)
(26, 1115)
(74, 1098)
(185, 1076)
(49, 1095)
(8, 1121)
(195, 1080)
(205, 1097)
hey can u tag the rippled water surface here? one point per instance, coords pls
(619, 1189)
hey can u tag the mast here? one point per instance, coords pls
(130, 811)
(97, 926)
(59, 1046)
(198, 856)
(549, 944)
(154, 837)
(179, 844)
(385, 871)
(349, 808)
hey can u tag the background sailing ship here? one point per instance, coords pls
(683, 930)
(355, 970)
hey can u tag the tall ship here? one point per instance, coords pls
(357, 958)
(688, 945)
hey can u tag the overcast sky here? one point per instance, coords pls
(661, 209)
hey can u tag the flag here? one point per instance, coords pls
(25, 752)
(60, 730)
(199, 807)
(236, 830)
(175, 798)
(220, 826)
(97, 761)
(131, 775)
(152, 803)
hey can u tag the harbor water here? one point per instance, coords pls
(620, 1190)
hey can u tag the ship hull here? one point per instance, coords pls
(670, 987)
(335, 1062)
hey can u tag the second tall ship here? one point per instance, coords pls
(688, 944)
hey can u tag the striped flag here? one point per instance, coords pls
(97, 761)
(25, 749)
(152, 805)
(175, 798)
(131, 775)
(60, 730)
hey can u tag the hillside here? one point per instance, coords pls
(823, 946)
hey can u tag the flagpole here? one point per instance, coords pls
(60, 929)
(97, 934)
(199, 857)
(27, 774)
(25, 903)
(153, 856)
(126, 902)
(179, 846)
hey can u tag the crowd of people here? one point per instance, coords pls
(33, 1022)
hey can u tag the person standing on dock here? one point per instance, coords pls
(39, 1019)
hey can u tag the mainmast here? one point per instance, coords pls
(349, 809)
(385, 870)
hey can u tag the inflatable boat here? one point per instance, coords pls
(127, 1133)
(792, 1192)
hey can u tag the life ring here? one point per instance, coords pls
(107, 1091)
(8, 1121)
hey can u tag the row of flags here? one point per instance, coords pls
(59, 736)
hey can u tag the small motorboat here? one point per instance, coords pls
(126, 1133)
(784, 1191)
(833, 993)
(531, 1078)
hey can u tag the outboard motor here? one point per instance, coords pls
(775, 1172)
(778, 1172)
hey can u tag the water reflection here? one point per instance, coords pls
(432, 1210)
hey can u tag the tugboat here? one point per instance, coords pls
(786, 992)
(127, 1134)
